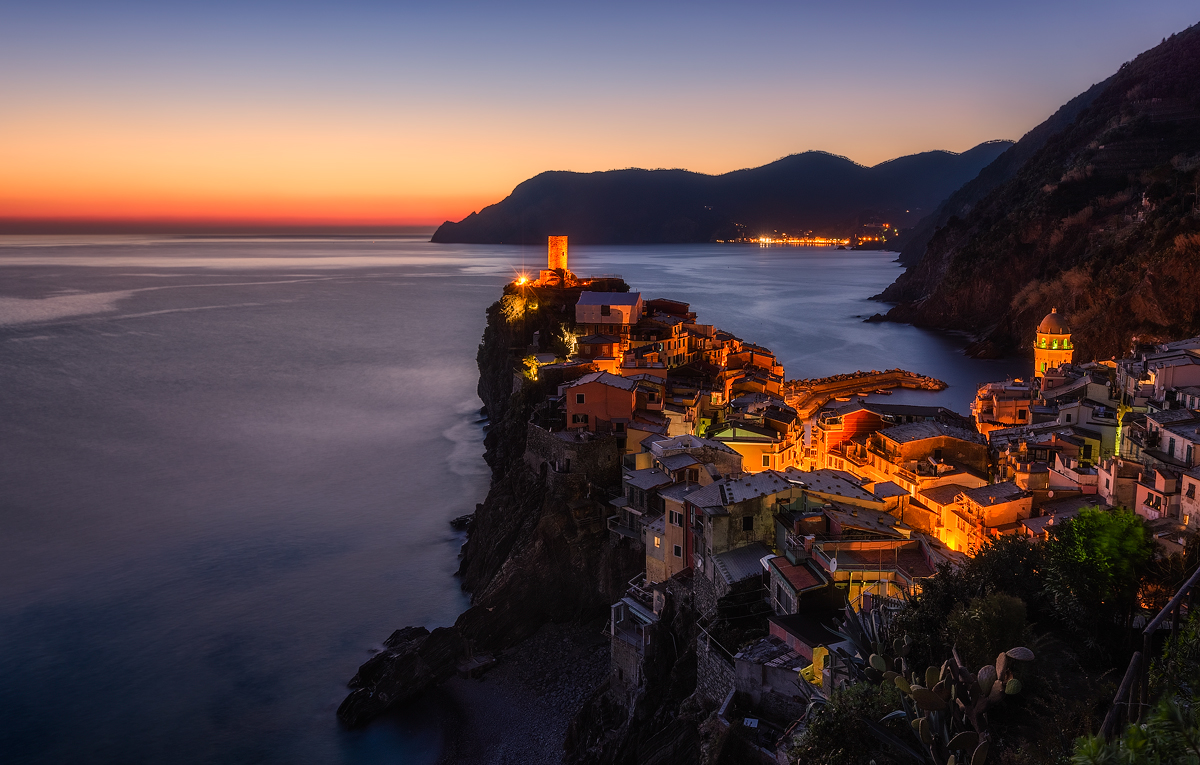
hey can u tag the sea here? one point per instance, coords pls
(227, 467)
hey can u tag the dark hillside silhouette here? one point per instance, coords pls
(811, 191)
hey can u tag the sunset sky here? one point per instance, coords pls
(352, 113)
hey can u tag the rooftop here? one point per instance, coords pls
(647, 478)
(873, 521)
(678, 461)
(800, 577)
(1054, 324)
(994, 494)
(609, 298)
(943, 495)
(605, 378)
(919, 431)
(831, 482)
(742, 563)
(733, 490)
(810, 627)
(885, 489)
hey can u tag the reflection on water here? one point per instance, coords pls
(228, 466)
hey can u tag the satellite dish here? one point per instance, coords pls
(832, 565)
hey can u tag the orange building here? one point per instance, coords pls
(1053, 344)
(601, 402)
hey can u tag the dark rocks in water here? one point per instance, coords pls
(984, 349)
(413, 660)
(463, 522)
(874, 319)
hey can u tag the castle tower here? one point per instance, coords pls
(1053, 344)
(557, 255)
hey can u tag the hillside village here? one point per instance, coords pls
(769, 523)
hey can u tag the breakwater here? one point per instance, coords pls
(808, 396)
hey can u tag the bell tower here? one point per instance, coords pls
(1053, 344)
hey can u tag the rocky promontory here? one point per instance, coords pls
(537, 552)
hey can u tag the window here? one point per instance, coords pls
(937, 455)
(657, 541)
(606, 310)
(577, 419)
(1191, 492)
(678, 551)
(1107, 484)
(1021, 414)
(619, 427)
(748, 523)
(766, 460)
(1171, 447)
(676, 518)
(579, 398)
(1087, 451)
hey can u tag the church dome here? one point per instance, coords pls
(1053, 324)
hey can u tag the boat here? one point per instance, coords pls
(884, 392)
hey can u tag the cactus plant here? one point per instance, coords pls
(947, 715)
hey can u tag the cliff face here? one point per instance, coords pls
(1100, 222)
(1002, 169)
(538, 549)
(809, 191)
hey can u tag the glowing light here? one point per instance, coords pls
(522, 279)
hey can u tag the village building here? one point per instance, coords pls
(996, 509)
(1189, 499)
(1116, 481)
(1003, 405)
(920, 455)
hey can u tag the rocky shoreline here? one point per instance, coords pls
(520, 711)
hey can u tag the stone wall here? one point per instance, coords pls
(705, 593)
(714, 674)
(626, 664)
(596, 460)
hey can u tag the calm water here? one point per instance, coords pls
(227, 466)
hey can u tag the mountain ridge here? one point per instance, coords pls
(812, 190)
(1101, 222)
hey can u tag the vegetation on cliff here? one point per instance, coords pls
(1102, 222)
(1071, 599)
(811, 191)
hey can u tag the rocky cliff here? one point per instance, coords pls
(538, 551)
(1101, 222)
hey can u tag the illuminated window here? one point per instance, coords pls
(1054, 345)
(657, 542)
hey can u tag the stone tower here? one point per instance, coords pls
(1053, 344)
(557, 255)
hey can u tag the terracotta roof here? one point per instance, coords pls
(801, 577)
